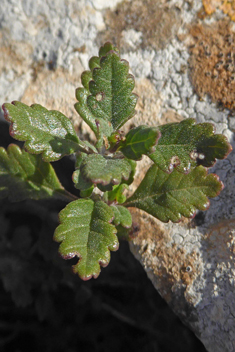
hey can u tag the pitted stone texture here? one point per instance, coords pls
(46, 35)
(104, 4)
(194, 270)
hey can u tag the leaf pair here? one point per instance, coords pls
(86, 230)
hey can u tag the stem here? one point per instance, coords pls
(99, 145)
(65, 195)
(105, 197)
(85, 148)
(129, 203)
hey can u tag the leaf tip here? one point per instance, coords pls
(229, 147)
(5, 111)
(220, 184)
(85, 276)
(106, 48)
(115, 246)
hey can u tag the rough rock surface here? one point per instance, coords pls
(44, 48)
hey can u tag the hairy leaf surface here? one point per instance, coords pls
(100, 170)
(170, 196)
(116, 194)
(44, 131)
(85, 187)
(122, 216)
(124, 233)
(79, 181)
(106, 102)
(186, 145)
(85, 231)
(122, 221)
(23, 175)
(139, 141)
(111, 187)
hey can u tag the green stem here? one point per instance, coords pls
(99, 145)
(65, 195)
(83, 147)
(105, 197)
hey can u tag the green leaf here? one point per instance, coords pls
(48, 132)
(85, 187)
(124, 233)
(85, 231)
(122, 216)
(132, 164)
(186, 145)
(139, 141)
(106, 102)
(170, 196)
(106, 188)
(116, 194)
(122, 221)
(23, 175)
(98, 169)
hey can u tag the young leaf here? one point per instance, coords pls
(106, 102)
(122, 216)
(122, 221)
(170, 196)
(139, 141)
(85, 231)
(116, 194)
(48, 132)
(97, 169)
(111, 189)
(23, 175)
(186, 145)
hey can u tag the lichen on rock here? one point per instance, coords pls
(212, 62)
